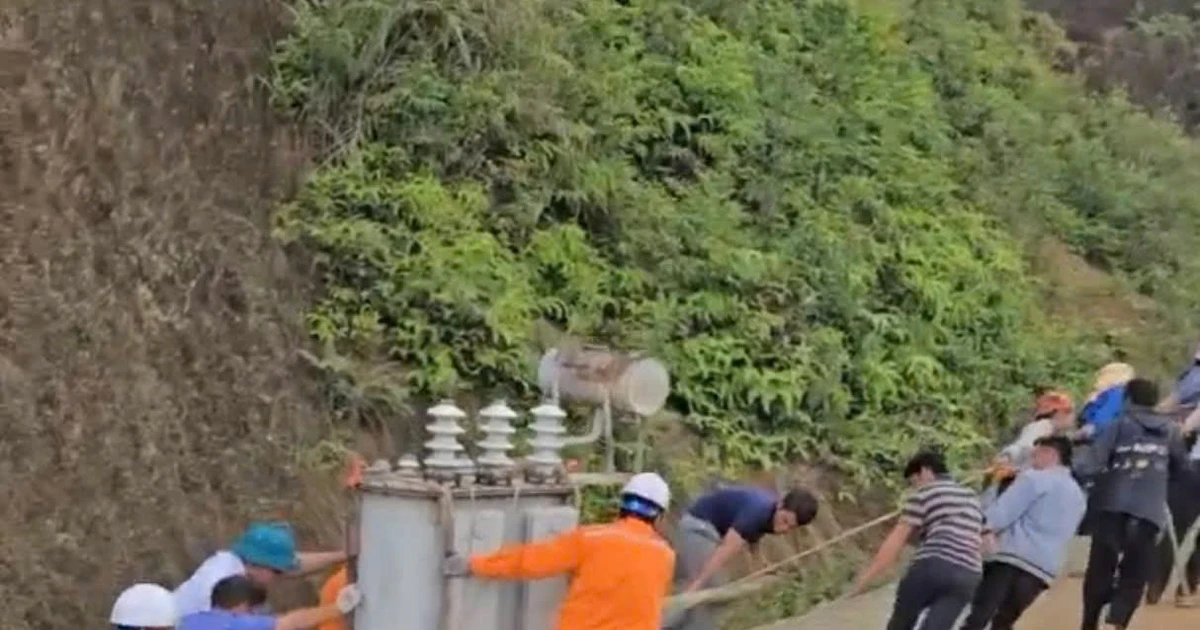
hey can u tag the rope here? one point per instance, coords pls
(446, 520)
(1183, 553)
(760, 579)
(451, 602)
(453, 596)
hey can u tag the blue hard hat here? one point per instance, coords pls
(271, 545)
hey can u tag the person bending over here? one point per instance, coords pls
(721, 524)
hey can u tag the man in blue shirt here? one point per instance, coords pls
(718, 526)
(233, 597)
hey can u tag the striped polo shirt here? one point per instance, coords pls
(950, 522)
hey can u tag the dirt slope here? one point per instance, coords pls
(148, 390)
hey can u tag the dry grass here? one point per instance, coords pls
(150, 399)
(1080, 295)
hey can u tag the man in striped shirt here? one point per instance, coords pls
(947, 565)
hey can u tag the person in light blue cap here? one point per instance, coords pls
(265, 551)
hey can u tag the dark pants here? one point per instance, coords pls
(1002, 597)
(940, 589)
(1118, 566)
(1183, 496)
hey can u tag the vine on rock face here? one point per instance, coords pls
(805, 210)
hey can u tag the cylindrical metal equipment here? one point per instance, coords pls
(403, 528)
(635, 384)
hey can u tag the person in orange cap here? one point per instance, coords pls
(620, 571)
(1054, 413)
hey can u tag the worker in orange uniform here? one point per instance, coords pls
(329, 594)
(355, 467)
(621, 572)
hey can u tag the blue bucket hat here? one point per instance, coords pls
(271, 545)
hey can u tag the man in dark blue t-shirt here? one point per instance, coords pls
(718, 526)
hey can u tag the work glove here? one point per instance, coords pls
(456, 565)
(673, 616)
(349, 598)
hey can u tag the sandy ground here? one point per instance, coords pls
(1058, 609)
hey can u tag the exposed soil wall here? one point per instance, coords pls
(149, 395)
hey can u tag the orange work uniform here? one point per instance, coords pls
(621, 573)
(329, 594)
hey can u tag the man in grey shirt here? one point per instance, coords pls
(1035, 521)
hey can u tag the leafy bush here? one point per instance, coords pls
(816, 214)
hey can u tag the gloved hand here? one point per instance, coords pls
(673, 616)
(456, 565)
(1001, 469)
(349, 598)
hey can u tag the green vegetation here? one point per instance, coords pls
(822, 215)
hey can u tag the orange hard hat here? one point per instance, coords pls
(1052, 403)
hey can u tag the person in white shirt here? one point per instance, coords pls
(262, 553)
(1054, 414)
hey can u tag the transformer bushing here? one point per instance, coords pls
(495, 465)
(408, 465)
(466, 471)
(546, 460)
(379, 467)
(444, 462)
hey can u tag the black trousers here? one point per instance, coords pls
(1002, 597)
(1119, 564)
(939, 588)
(1183, 496)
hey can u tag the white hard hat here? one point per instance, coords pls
(650, 487)
(145, 606)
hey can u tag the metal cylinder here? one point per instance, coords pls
(404, 542)
(635, 384)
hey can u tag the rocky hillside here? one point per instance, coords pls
(149, 393)
(1148, 48)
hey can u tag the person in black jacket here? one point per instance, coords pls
(1134, 461)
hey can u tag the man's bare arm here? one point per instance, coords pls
(729, 547)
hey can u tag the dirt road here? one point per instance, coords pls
(1058, 609)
